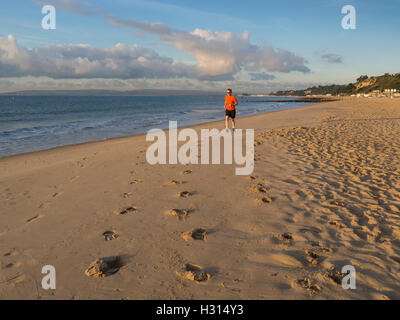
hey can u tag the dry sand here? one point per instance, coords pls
(325, 193)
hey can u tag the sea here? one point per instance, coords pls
(33, 123)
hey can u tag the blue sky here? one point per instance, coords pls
(236, 39)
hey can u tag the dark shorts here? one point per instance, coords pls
(230, 113)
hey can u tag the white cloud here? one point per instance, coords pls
(83, 61)
(221, 54)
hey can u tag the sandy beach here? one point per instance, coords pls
(325, 193)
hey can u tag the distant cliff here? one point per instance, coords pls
(364, 84)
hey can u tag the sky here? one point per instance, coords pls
(250, 46)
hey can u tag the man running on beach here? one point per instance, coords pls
(230, 109)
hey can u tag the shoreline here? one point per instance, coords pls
(196, 126)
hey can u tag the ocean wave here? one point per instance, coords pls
(35, 123)
(206, 111)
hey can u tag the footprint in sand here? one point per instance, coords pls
(310, 229)
(136, 181)
(337, 224)
(127, 195)
(196, 234)
(185, 194)
(286, 237)
(321, 248)
(187, 172)
(128, 210)
(44, 205)
(34, 218)
(194, 273)
(335, 276)
(57, 194)
(181, 214)
(175, 182)
(12, 252)
(312, 258)
(110, 235)
(311, 288)
(263, 200)
(261, 188)
(12, 265)
(80, 164)
(104, 267)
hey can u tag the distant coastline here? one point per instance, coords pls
(156, 92)
(313, 99)
(376, 86)
(144, 92)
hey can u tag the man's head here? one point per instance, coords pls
(228, 92)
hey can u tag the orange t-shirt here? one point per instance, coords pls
(230, 100)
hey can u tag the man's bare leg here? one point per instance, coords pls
(233, 124)
(226, 122)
